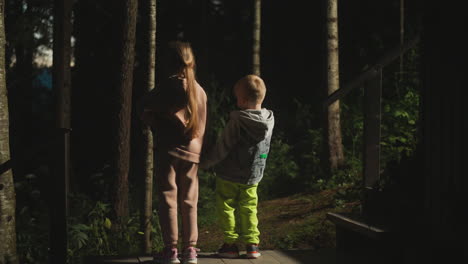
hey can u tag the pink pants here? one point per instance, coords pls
(177, 186)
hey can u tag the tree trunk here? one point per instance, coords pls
(7, 187)
(61, 60)
(256, 37)
(121, 153)
(20, 93)
(402, 32)
(62, 92)
(147, 136)
(335, 145)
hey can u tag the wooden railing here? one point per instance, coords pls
(372, 71)
(57, 145)
(372, 81)
(40, 149)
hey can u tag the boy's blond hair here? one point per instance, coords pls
(252, 88)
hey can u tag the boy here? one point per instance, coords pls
(241, 152)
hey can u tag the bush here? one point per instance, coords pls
(281, 172)
(91, 232)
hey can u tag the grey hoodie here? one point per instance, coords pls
(243, 147)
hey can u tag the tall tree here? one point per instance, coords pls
(402, 32)
(256, 37)
(146, 155)
(61, 61)
(335, 146)
(62, 91)
(20, 90)
(124, 75)
(7, 187)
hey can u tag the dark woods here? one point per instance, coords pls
(293, 65)
(220, 34)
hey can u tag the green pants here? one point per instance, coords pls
(231, 196)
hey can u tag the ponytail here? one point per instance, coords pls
(181, 61)
(191, 128)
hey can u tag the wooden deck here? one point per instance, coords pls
(327, 256)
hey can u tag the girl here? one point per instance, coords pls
(176, 111)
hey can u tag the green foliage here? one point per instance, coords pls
(350, 174)
(310, 158)
(32, 238)
(88, 233)
(206, 198)
(352, 125)
(220, 101)
(400, 108)
(32, 220)
(280, 176)
(400, 114)
(316, 232)
(91, 231)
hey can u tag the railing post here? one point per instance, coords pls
(372, 121)
(62, 91)
(59, 203)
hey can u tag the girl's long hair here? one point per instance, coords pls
(184, 64)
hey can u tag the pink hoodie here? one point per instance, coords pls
(164, 110)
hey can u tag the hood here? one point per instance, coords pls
(258, 124)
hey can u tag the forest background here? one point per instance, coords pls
(293, 65)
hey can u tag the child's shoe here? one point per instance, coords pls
(228, 251)
(252, 251)
(167, 256)
(189, 255)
